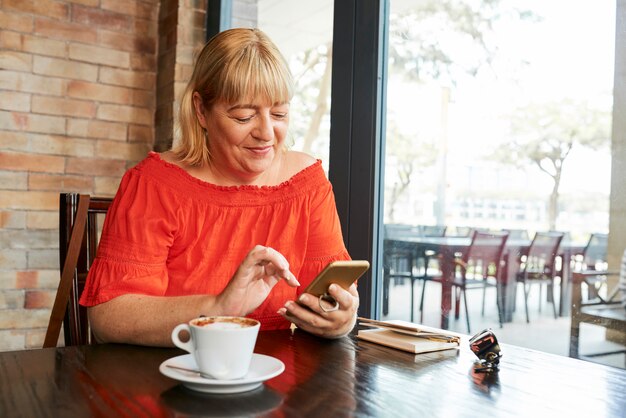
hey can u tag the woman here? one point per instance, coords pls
(213, 226)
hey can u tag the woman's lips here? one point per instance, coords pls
(260, 150)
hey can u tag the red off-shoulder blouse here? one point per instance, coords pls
(170, 234)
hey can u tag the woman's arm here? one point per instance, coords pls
(149, 320)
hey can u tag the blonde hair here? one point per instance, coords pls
(234, 65)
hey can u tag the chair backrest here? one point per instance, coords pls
(485, 253)
(595, 251)
(542, 253)
(80, 221)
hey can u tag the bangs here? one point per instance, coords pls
(256, 74)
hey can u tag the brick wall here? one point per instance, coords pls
(78, 102)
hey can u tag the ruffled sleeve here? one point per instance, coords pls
(325, 238)
(138, 232)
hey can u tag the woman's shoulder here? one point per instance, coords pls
(296, 162)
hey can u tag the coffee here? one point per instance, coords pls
(224, 322)
(221, 345)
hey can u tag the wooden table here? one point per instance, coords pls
(327, 378)
(447, 247)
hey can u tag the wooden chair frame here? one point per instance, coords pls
(607, 313)
(78, 242)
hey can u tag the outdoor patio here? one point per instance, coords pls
(543, 333)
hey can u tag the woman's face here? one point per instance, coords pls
(244, 138)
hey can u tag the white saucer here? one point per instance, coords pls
(262, 368)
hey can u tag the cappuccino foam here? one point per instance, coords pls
(216, 322)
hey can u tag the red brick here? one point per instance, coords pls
(27, 279)
(138, 115)
(67, 107)
(99, 92)
(49, 8)
(12, 140)
(128, 151)
(95, 167)
(12, 259)
(39, 299)
(138, 133)
(22, 319)
(128, 42)
(134, 8)
(99, 18)
(96, 129)
(65, 30)
(13, 219)
(29, 200)
(62, 145)
(106, 186)
(143, 98)
(12, 100)
(67, 183)
(65, 69)
(143, 62)
(16, 22)
(86, 2)
(44, 46)
(148, 27)
(31, 162)
(136, 79)
(16, 81)
(32, 122)
(10, 40)
(99, 55)
(42, 220)
(11, 60)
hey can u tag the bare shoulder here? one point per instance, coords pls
(169, 157)
(296, 161)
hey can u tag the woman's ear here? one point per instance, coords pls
(198, 105)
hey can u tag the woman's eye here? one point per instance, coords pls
(280, 115)
(244, 120)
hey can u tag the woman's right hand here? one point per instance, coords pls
(257, 274)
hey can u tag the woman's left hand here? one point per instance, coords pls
(326, 323)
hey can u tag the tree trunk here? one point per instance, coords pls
(322, 105)
(553, 208)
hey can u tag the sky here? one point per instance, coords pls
(570, 54)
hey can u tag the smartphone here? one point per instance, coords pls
(343, 273)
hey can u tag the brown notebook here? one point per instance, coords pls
(407, 336)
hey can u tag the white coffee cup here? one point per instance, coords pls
(221, 345)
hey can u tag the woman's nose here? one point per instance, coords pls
(264, 129)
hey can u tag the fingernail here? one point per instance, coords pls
(332, 287)
(302, 298)
(294, 279)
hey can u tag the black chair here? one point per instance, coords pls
(539, 267)
(402, 260)
(479, 267)
(398, 258)
(80, 221)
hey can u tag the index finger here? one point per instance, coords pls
(271, 259)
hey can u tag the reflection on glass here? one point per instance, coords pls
(498, 117)
(303, 33)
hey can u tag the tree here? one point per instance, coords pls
(544, 135)
(430, 44)
(406, 159)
